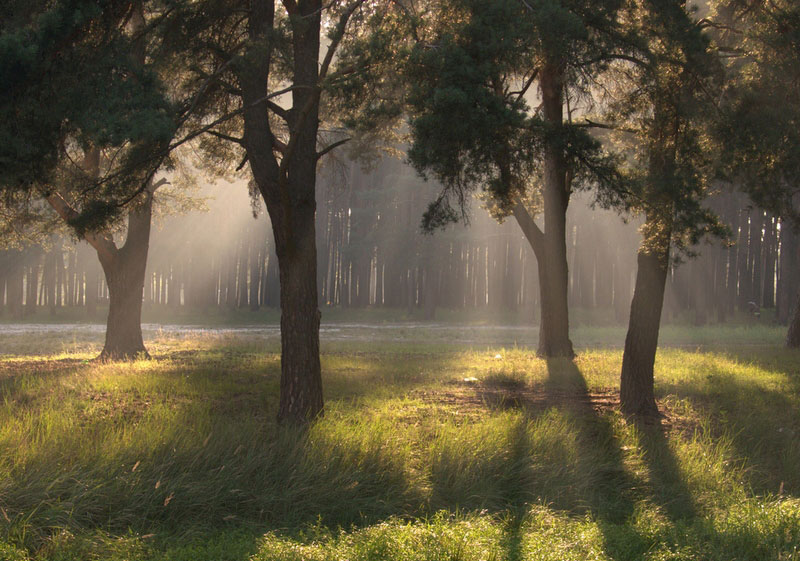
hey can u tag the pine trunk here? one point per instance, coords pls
(793, 335)
(553, 270)
(637, 381)
(124, 271)
(301, 377)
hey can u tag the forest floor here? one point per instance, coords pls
(437, 443)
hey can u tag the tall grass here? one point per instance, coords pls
(180, 457)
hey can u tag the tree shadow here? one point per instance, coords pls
(582, 467)
(220, 455)
(762, 425)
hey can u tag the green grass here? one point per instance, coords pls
(180, 458)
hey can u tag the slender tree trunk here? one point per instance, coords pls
(554, 274)
(770, 252)
(636, 385)
(787, 271)
(430, 281)
(550, 245)
(32, 285)
(793, 335)
(15, 286)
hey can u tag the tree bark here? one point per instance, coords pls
(550, 245)
(787, 271)
(301, 377)
(553, 271)
(125, 272)
(637, 381)
(288, 188)
(793, 334)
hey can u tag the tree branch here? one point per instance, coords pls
(333, 146)
(227, 137)
(341, 27)
(532, 232)
(101, 242)
(278, 110)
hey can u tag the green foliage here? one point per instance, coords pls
(75, 77)
(760, 120)
(471, 85)
(66, 73)
(662, 106)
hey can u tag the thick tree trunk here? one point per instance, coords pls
(123, 327)
(301, 377)
(636, 385)
(124, 272)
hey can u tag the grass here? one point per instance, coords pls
(458, 452)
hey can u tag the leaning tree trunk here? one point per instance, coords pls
(637, 395)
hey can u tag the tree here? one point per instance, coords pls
(124, 270)
(256, 66)
(76, 82)
(471, 85)
(661, 111)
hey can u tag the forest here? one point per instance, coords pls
(399, 279)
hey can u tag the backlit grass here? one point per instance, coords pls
(423, 453)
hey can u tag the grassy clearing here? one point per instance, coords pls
(179, 457)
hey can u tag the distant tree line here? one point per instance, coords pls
(371, 252)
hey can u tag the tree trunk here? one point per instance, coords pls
(770, 245)
(15, 278)
(32, 285)
(553, 271)
(430, 279)
(787, 271)
(636, 385)
(288, 188)
(793, 335)
(124, 272)
(301, 377)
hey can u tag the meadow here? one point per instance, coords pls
(438, 442)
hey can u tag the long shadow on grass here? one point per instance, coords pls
(200, 451)
(548, 446)
(562, 451)
(762, 421)
(615, 489)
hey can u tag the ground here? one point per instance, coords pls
(438, 442)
